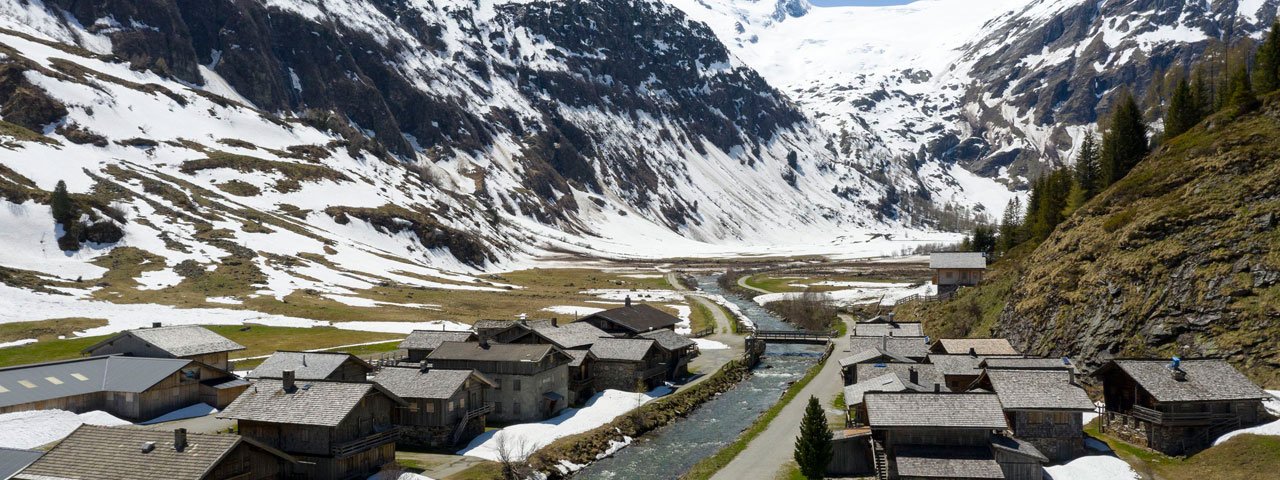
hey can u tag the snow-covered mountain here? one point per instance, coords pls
(953, 99)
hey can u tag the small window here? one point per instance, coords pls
(515, 408)
(515, 385)
(431, 407)
(450, 407)
(413, 407)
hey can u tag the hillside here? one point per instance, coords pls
(1177, 258)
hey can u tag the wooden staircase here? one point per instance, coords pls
(881, 461)
(471, 415)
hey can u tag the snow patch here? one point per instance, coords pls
(32, 429)
(1093, 467)
(704, 344)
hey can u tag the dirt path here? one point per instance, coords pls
(742, 282)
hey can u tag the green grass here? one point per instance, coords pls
(47, 329)
(838, 402)
(701, 318)
(483, 471)
(710, 465)
(1241, 458)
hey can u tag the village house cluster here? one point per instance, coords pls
(320, 415)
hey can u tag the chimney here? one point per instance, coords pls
(155, 324)
(972, 352)
(913, 375)
(180, 439)
(555, 322)
(147, 447)
(937, 388)
(627, 301)
(288, 378)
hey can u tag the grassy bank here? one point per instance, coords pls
(1240, 458)
(710, 465)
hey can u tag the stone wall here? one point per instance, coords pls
(439, 435)
(614, 375)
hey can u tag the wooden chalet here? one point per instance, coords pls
(445, 407)
(958, 371)
(131, 388)
(849, 364)
(533, 380)
(886, 326)
(113, 453)
(922, 374)
(191, 342)
(957, 269)
(677, 351)
(581, 384)
(1176, 407)
(314, 366)
(1044, 407)
(914, 348)
(945, 436)
(632, 319)
(985, 347)
(628, 364)
(421, 343)
(336, 430)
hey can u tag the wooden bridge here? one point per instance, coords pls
(792, 336)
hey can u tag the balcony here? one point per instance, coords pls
(1171, 419)
(359, 445)
(484, 409)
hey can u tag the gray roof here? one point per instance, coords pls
(912, 347)
(430, 339)
(179, 340)
(935, 410)
(109, 373)
(493, 352)
(880, 329)
(946, 462)
(625, 349)
(505, 324)
(306, 365)
(1017, 446)
(578, 357)
(1206, 380)
(638, 317)
(888, 382)
(1038, 390)
(572, 335)
(114, 453)
(965, 260)
(872, 355)
(1029, 363)
(13, 461)
(669, 340)
(957, 364)
(926, 374)
(980, 346)
(414, 383)
(311, 402)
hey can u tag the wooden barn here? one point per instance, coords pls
(132, 388)
(952, 270)
(1177, 407)
(113, 453)
(191, 342)
(336, 430)
(630, 320)
(421, 343)
(533, 380)
(445, 407)
(628, 364)
(1044, 407)
(314, 366)
(677, 351)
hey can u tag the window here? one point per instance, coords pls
(413, 407)
(515, 384)
(450, 406)
(431, 407)
(515, 408)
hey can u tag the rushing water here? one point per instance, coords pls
(672, 450)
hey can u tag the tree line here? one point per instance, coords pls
(1056, 194)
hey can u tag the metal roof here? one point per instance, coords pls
(1038, 390)
(1206, 380)
(961, 260)
(935, 410)
(114, 453)
(13, 461)
(624, 349)
(306, 365)
(430, 339)
(178, 340)
(638, 318)
(311, 402)
(111, 373)
(415, 383)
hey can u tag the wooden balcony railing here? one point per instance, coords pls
(1176, 419)
(359, 445)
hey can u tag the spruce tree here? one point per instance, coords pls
(60, 203)
(1010, 234)
(813, 447)
(1243, 100)
(1266, 74)
(1125, 144)
(1086, 169)
(1200, 93)
(1183, 112)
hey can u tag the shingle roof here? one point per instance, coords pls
(1028, 363)
(1206, 380)
(927, 375)
(872, 354)
(572, 335)
(430, 339)
(179, 340)
(306, 365)
(638, 318)
(965, 260)
(888, 382)
(110, 373)
(625, 349)
(414, 383)
(938, 410)
(106, 453)
(895, 329)
(578, 357)
(312, 402)
(505, 324)
(13, 461)
(959, 364)
(980, 346)
(1038, 390)
(493, 352)
(946, 462)
(913, 347)
(1017, 446)
(669, 340)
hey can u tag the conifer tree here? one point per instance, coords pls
(1266, 72)
(1010, 233)
(813, 447)
(1086, 169)
(1201, 95)
(1183, 112)
(1125, 144)
(1242, 97)
(60, 203)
